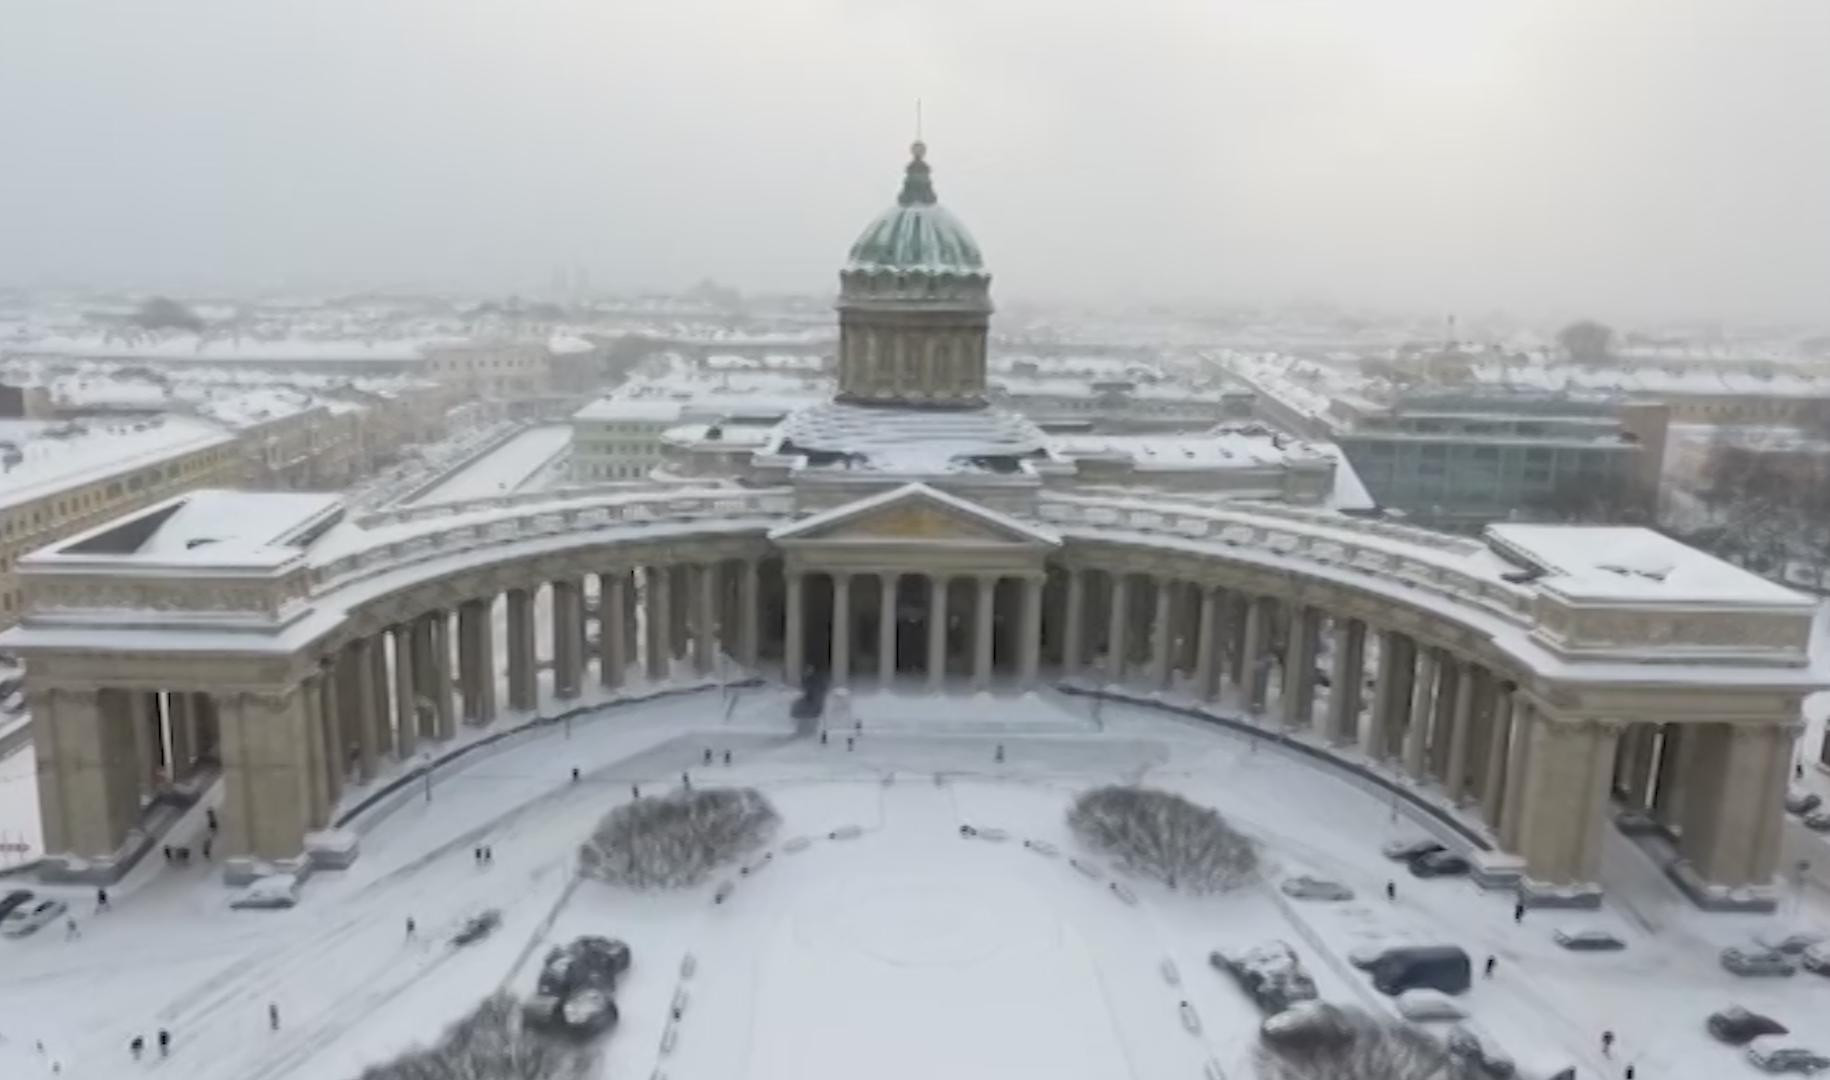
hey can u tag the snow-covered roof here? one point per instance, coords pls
(48, 457)
(187, 346)
(916, 493)
(1628, 563)
(1221, 449)
(910, 440)
(623, 409)
(566, 344)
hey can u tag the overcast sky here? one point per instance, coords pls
(1630, 158)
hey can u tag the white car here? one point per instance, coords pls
(1425, 1004)
(27, 919)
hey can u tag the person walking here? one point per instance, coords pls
(1488, 967)
(822, 737)
(848, 742)
(101, 899)
(273, 1015)
(575, 774)
(410, 928)
(635, 791)
(999, 755)
(1391, 891)
(1607, 1043)
(165, 1042)
(706, 758)
(1629, 1073)
(727, 757)
(1518, 912)
(686, 781)
(137, 1046)
(70, 930)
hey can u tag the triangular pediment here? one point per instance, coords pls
(919, 514)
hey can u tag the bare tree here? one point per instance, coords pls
(1587, 341)
(675, 840)
(164, 313)
(1164, 836)
(491, 1044)
(1331, 1042)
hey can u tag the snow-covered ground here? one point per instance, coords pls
(904, 952)
(505, 469)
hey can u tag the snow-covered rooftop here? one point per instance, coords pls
(912, 441)
(1627, 563)
(39, 458)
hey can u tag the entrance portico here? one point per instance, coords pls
(914, 581)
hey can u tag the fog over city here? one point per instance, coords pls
(1632, 160)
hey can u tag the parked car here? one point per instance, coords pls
(1792, 943)
(1427, 1004)
(478, 927)
(1270, 974)
(1757, 962)
(13, 899)
(1772, 1058)
(27, 918)
(1816, 960)
(1738, 1026)
(1438, 967)
(1479, 1051)
(1406, 850)
(1587, 940)
(1440, 864)
(1802, 802)
(1818, 821)
(1304, 887)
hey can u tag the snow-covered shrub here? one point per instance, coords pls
(676, 840)
(1331, 1042)
(1164, 836)
(491, 1042)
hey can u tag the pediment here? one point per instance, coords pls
(916, 513)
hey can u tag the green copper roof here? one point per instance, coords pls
(917, 233)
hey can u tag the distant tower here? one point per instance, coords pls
(914, 305)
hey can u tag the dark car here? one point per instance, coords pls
(1407, 850)
(1588, 940)
(1434, 967)
(13, 899)
(1439, 864)
(478, 927)
(1737, 1026)
(1803, 802)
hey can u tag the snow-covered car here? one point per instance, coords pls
(1437, 967)
(1816, 960)
(1425, 1004)
(27, 918)
(1819, 821)
(269, 893)
(12, 900)
(1757, 962)
(1406, 850)
(1307, 1024)
(1587, 940)
(589, 1012)
(589, 962)
(1791, 943)
(1738, 1026)
(1772, 1057)
(1440, 864)
(478, 927)
(1479, 1051)
(1802, 802)
(1270, 974)
(1304, 887)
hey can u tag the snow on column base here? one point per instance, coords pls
(1638, 823)
(1584, 895)
(1496, 870)
(328, 849)
(68, 869)
(332, 849)
(1712, 897)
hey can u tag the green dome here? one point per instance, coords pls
(917, 234)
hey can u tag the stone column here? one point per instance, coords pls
(1734, 801)
(1423, 702)
(937, 631)
(181, 724)
(1207, 645)
(1561, 807)
(139, 721)
(566, 602)
(363, 673)
(322, 802)
(841, 628)
(1029, 650)
(1159, 632)
(442, 712)
(330, 734)
(1674, 755)
(1073, 635)
(705, 587)
(1499, 739)
(383, 707)
(96, 766)
(1375, 740)
(406, 701)
(1251, 672)
(886, 628)
(749, 588)
(1116, 620)
(794, 647)
(1637, 746)
(477, 660)
(612, 647)
(661, 624)
(1448, 680)
(523, 690)
(266, 786)
(1298, 696)
(982, 612)
(1455, 780)
(1518, 765)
